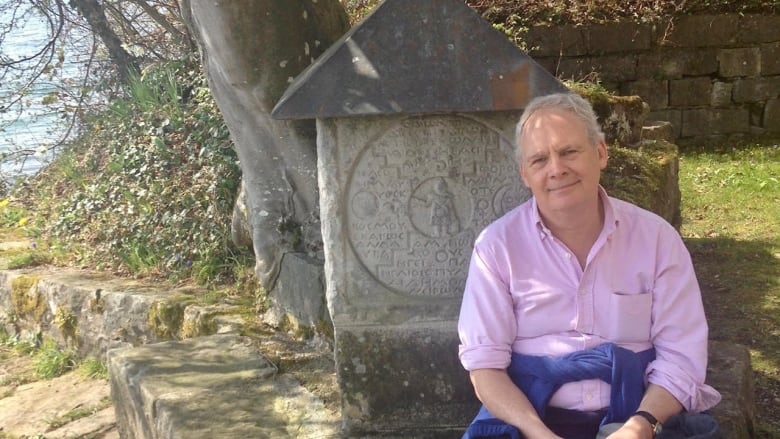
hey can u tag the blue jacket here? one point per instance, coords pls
(540, 377)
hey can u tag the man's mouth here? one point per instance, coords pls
(561, 187)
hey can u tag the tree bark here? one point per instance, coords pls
(251, 50)
(95, 15)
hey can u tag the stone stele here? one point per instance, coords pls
(415, 108)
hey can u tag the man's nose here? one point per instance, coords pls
(557, 167)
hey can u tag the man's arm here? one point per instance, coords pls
(659, 403)
(507, 402)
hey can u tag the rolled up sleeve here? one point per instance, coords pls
(487, 325)
(679, 331)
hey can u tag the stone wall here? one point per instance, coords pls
(714, 77)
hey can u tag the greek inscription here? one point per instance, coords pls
(419, 194)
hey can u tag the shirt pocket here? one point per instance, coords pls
(630, 317)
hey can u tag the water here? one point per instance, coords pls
(33, 126)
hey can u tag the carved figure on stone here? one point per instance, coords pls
(252, 50)
(444, 216)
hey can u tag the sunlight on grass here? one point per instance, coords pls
(732, 193)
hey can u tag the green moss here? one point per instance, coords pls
(166, 318)
(97, 305)
(202, 325)
(67, 322)
(26, 299)
(645, 177)
(325, 328)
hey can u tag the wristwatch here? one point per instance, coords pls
(656, 426)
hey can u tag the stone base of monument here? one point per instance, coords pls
(405, 392)
(403, 380)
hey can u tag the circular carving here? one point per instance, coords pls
(417, 196)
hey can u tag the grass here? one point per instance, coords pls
(78, 413)
(51, 361)
(731, 224)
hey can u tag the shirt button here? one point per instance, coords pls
(588, 396)
(568, 255)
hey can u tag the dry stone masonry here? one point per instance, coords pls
(714, 77)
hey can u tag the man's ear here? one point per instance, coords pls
(603, 154)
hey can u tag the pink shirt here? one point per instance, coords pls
(526, 293)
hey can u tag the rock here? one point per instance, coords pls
(297, 302)
(214, 386)
(731, 374)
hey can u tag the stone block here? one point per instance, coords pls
(756, 89)
(770, 59)
(690, 92)
(721, 94)
(556, 41)
(701, 31)
(298, 299)
(621, 118)
(771, 120)
(403, 380)
(673, 116)
(739, 62)
(104, 313)
(405, 198)
(613, 38)
(729, 371)
(215, 386)
(654, 92)
(615, 68)
(676, 63)
(758, 28)
(658, 130)
(706, 121)
(575, 68)
(756, 110)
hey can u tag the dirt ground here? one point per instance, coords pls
(69, 406)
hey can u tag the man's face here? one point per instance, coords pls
(559, 164)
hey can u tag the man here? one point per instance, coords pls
(588, 302)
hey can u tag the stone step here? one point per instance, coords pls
(92, 312)
(213, 383)
(211, 386)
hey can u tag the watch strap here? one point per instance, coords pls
(651, 419)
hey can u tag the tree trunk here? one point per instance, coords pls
(95, 15)
(251, 50)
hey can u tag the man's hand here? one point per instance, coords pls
(507, 402)
(634, 428)
(657, 401)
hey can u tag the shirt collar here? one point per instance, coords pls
(610, 219)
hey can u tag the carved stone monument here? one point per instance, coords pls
(415, 108)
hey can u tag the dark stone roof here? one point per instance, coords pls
(415, 57)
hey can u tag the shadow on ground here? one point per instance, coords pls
(740, 282)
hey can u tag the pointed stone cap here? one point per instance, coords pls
(414, 57)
